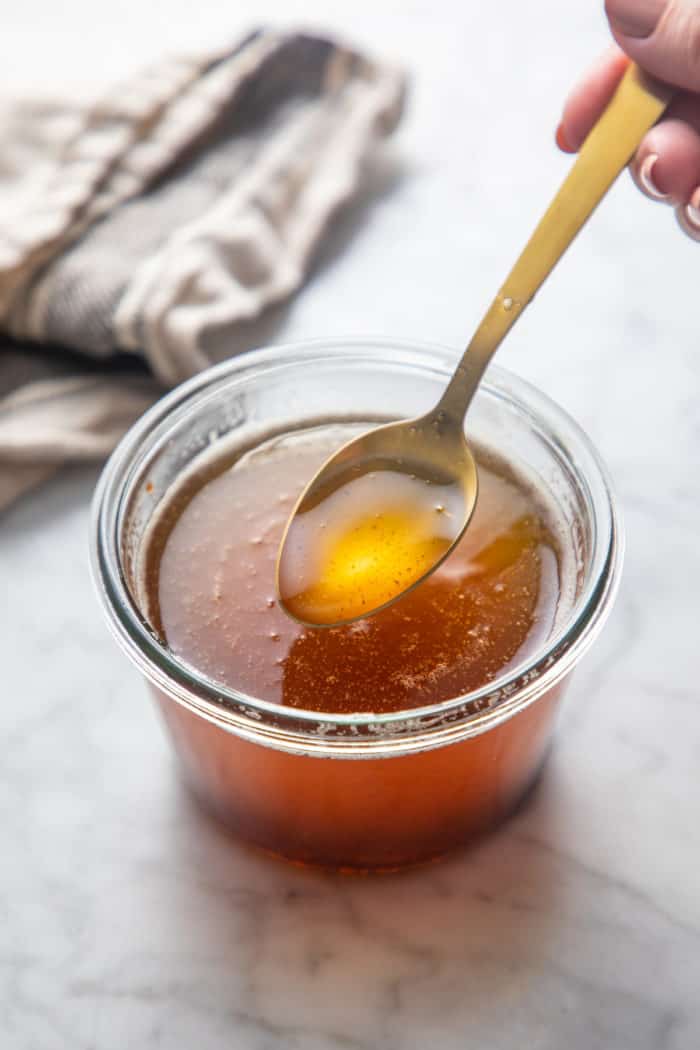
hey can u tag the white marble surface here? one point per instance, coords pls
(126, 918)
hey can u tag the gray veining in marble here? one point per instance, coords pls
(127, 919)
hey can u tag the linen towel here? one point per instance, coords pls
(138, 232)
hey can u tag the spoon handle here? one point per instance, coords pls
(636, 105)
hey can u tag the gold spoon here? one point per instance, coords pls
(385, 510)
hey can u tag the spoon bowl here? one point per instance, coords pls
(383, 512)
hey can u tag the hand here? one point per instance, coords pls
(663, 37)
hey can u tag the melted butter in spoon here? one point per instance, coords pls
(363, 541)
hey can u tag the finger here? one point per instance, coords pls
(688, 216)
(667, 164)
(589, 98)
(663, 36)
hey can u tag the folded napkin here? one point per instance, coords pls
(138, 233)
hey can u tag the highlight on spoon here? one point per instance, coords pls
(363, 534)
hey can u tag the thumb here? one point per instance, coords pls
(662, 36)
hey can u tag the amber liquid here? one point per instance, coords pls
(366, 538)
(211, 592)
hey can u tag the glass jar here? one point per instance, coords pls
(357, 791)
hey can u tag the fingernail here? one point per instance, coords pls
(637, 18)
(562, 141)
(689, 216)
(645, 178)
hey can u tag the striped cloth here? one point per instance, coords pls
(141, 235)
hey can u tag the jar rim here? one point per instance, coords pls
(361, 734)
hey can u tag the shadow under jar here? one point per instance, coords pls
(356, 790)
